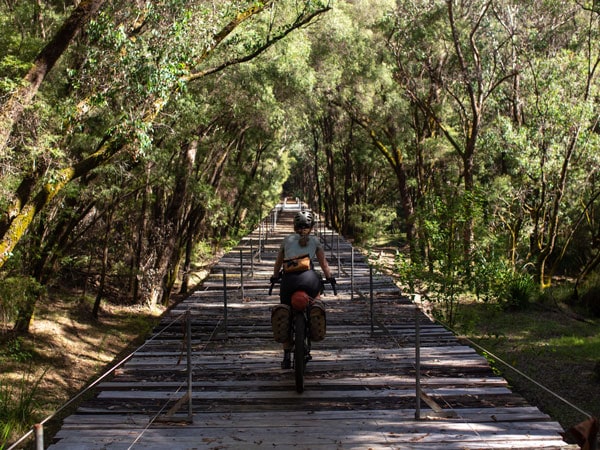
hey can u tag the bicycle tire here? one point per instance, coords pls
(299, 351)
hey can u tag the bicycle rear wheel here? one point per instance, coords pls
(299, 350)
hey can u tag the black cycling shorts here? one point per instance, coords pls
(307, 281)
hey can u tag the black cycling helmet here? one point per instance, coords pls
(303, 219)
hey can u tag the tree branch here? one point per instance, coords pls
(11, 111)
(300, 22)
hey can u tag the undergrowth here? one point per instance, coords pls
(19, 404)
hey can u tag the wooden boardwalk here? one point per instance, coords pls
(360, 385)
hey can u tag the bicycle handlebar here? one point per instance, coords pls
(333, 283)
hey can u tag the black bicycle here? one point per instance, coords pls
(302, 332)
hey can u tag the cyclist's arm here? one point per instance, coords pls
(278, 263)
(323, 262)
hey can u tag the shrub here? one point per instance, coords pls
(519, 291)
(17, 406)
(497, 280)
(16, 294)
(370, 223)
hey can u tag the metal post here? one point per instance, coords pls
(39, 436)
(242, 273)
(331, 243)
(265, 223)
(417, 364)
(259, 239)
(188, 328)
(339, 264)
(266, 240)
(225, 299)
(352, 274)
(371, 298)
(251, 257)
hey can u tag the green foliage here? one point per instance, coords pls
(371, 223)
(496, 281)
(20, 39)
(17, 293)
(409, 271)
(520, 290)
(11, 68)
(549, 344)
(444, 222)
(15, 350)
(18, 405)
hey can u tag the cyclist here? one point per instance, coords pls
(295, 257)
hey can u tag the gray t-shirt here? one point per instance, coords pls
(292, 248)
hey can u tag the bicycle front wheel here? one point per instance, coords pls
(299, 350)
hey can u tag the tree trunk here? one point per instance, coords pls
(195, 218)
(547, 250)
(242, 196)
(320, 199)
(328, 135)
(348, 180)
(187, 264)
(21, 218)
(142, 224)
(25, 315)
(104, 269)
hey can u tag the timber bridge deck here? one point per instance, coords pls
(360, 386)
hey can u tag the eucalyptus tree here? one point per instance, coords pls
(549, 154)
(503, 93)
(451, 59)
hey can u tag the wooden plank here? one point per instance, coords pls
(371, 394)
(522, 414)
(366, 381)
(239, 436)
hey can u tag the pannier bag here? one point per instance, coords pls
(281, 317)
(297, 264)
(318, 323)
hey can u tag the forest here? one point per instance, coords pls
(137, 137)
